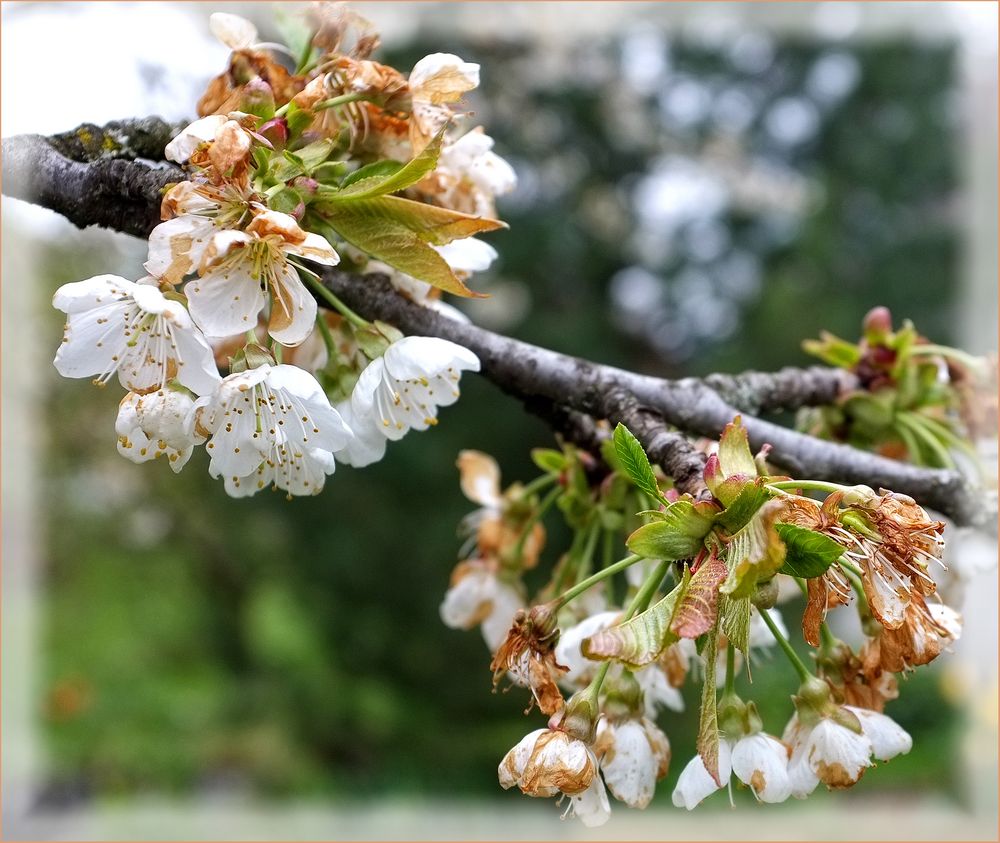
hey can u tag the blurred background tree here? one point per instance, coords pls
(683, 207)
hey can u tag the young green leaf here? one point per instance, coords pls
(678, 533)
(380, 169)
(750, 499)
(635, 463)
(398, 231)
(400, 178)
(638, 641)
(736, 621)
(807, 553)
(755, 553)
(698, 609)
(548, 459)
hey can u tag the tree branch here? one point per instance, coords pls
(69, 175)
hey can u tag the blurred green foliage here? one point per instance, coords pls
(193, 642)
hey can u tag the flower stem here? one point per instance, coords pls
(594, 579)
(324, 330)
(343, 99)
(731, 668)
(328, 296)
(786, 647)
(538, 484)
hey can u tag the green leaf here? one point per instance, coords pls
(833, 350)
(380, 169)
(735, 457)
(736, 621)
(549, 459)
(752, 497)
(679, 534)
(698, 609)
(635, 463)
(639, 641)
(285, 200)
(397, 231)
(315, 153)
(755, 553)
(401, 178)
(708, 719)
(807, 553)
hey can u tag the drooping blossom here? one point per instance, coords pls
(402, 390)
(547, 762)
(478, 595)
(634, 754)
(435, 82)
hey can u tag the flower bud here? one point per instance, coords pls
(578, 718)
(877, 325)
(766, 595)
(275, 132)
(257, 98)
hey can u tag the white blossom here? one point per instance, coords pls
(636, 754)
(547, 762)
(695, 782)
(271, 425)
(402, 389)
(155, 425)
(116, 326)
(828, 751)
(436, 81)
(761, 762)
(756, 759)
(477, 595)
(888, 738)
(240, 269)
(469, 166)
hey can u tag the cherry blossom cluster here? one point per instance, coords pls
(230, 339)
(699, 601)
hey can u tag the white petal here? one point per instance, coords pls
(99, 291)
(506, 602)
(293, 309)
(836, 754)
(367, 442)
(423, 357)
(468, 254)
(315, 248)
(308, 414)
(196, 367)
(442, 77)
(947, 618)
(514, 762)
(695, 783)
(657, 691)
(177, 246)
(591, 806)
(569, 652)
(887, 737)
(225, 300)
(183, 146)
(630, 767)
(235, 32)
(463, 603)
(761, 763)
